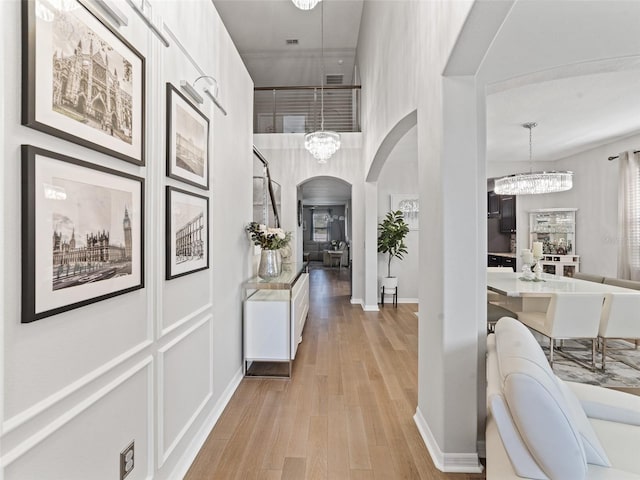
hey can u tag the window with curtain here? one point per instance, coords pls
(320, 226)
(629, 216)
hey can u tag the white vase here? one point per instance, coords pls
(270, 264)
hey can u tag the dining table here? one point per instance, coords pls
(522, 294)
(513, 284)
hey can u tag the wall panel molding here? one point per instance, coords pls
(200, 437)
(186, 319)
(165, 451)
(36, 409)
(73, 412)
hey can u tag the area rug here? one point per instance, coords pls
(621, 359)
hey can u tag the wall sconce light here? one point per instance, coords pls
(191, 91)
(139, 10)
(211, 90)
(113, 12)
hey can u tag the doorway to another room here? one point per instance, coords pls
(325, 214)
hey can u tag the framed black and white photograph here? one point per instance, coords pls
(82, 233)
(83, 82)
(409, 205)
(187, 140)
(187, 233)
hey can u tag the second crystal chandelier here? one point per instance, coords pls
(533, 182)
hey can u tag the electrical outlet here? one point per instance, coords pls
(126, 461)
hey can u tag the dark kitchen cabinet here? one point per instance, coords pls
(493, 204)
(500, 261)
(507, 213)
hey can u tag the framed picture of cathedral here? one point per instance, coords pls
(82, 81)
(187, 140)
(187, 233)
(82, 233)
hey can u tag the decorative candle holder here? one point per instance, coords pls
(537, 270)
(527, 274)
(527, 264)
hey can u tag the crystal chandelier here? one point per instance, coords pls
(322, 144)
(305, 4)
(533, 182)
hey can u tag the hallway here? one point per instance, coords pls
(347, 412)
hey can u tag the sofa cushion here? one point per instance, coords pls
(537, 406)
(593, 449)
(519, 456)
(514, 340)
(607, 404)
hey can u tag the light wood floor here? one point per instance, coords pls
(347, 412)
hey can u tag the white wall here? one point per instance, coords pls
(156, 365)
(290, 165)
(400, 175)
(414, 50)
(594, 194)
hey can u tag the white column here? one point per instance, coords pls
(452, 251)
(371, 246)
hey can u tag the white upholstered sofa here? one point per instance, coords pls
(541, 427)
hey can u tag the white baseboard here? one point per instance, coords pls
(370, 308)
(200, 437)
(407, 300)
(446, 462)
(356, 301)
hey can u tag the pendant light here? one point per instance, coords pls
(533, 182)
(322, 144)
(305, 4)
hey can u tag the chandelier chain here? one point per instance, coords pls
(322, 66)
(322, 144)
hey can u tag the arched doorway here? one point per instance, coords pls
(325, 224)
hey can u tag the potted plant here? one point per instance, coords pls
(391, 234)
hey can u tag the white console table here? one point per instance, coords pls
(275, 311)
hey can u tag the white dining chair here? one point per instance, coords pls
(620, 319)
(568, 316)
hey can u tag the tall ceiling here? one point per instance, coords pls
(577, 107)
(260, 30)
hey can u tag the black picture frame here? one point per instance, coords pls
(76, 207)
(186, 233)
(187, 140)
(82, 81)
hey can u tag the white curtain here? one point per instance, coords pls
(629, 216)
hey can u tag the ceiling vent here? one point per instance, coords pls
(292, 41)
(334, 79)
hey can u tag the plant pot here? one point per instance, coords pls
(389, 282)
(270, 264)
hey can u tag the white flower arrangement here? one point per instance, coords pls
(268, 238)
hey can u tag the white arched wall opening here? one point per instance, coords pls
(291, 166)
(324, 191)
(488, 50)
(390, 141)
